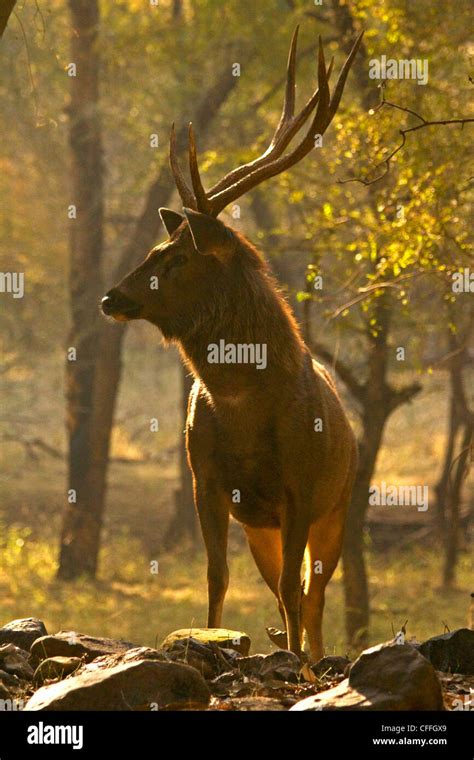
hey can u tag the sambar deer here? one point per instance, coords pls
(253, 445)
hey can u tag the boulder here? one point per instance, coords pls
(72, 644)
(332, 665)
(223, 637)
(386, 677)
(56, 668)
(22, 632)
(129, 655)
(452, 652)
(137, 685)
(282, 665)
(15, 661)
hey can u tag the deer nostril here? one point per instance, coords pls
(115, 303)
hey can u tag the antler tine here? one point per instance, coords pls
(287, 127)
(199, 192)
(187, 196)
(299, 120)
(338, 90)
(324, 113)
(290, 90)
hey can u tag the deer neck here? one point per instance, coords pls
(247, 341)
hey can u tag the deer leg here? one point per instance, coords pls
(214, 518)
(294, 535)
(324, 550)
(265, 545)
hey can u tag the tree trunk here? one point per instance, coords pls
(80, 541)
(454, 501)
(184, 522)
(456, 465)
(83, 517)
(356, 590)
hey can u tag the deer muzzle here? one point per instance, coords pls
(120, 307)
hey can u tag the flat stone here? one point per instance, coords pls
(72, 644)
(386, 677)
(223, 637)
(56, 668)
(22, 632)
(139, 685)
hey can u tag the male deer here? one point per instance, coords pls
(253, 445)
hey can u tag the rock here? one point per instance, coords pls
(250, 666)
(236, 640)
(209, 659)
(15, 661)
(56, 668)
(452, 652)
(386, 677)
(139, 685)
(330, 665)
(4, 692)
(129, 655)
(280, 666)
(72, 644)
(22, 632)
(277, 637)
(277, 666)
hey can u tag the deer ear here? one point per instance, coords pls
(209, 234)
(171, 219)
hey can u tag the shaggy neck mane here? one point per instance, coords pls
(246, 307)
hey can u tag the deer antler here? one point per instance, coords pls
(273, 161)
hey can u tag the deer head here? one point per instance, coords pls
(180, 277)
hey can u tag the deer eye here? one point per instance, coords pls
(176, 261)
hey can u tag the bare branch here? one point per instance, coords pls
(386, 163)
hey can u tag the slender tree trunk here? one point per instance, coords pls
(454, 501)
(177, 10)
(458, 452)
(89, 450)
(184, 522)
(443, 483)
(83, 517)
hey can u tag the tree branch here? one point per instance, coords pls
(403, 132)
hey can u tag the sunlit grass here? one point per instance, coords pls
(128, 601)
